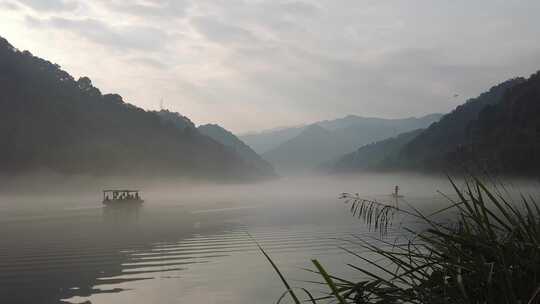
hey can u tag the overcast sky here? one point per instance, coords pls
(256, 64)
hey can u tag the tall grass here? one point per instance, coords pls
(489, 253)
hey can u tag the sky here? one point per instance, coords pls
(257, 64)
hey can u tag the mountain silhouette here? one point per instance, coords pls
(229, 140)
(51, 122)
(434, 147)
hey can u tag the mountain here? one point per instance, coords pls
(359, 122)
(370, 157)
(176, 119)
(50, 121)
(222, 136)
(327, 140)
(267, 140)
(497, 131)
(433, 148)
(505, 138)
(230, 140)
(312, 146)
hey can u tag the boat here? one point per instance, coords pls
(118, 196)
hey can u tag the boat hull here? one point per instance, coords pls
(123, 202)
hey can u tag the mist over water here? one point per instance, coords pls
(189, 241)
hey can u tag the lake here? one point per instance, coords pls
(188, 242)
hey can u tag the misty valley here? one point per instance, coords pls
(269, 152)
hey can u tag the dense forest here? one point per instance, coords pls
(370, 157)
(506, 135)
(498, 132)
(50, 121)
(434, 149)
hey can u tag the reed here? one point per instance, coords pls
(289, 291)
(489, 253)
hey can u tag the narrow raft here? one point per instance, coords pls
(396, 193)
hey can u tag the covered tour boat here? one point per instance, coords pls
(116, 196)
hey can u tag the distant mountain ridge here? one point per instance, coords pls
(371, 156)
(50, 121)
(355, 121)
(305, 151)
(266, 140)
(231, 141)
(327, 140)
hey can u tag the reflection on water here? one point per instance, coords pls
(169, 251)
(121, 213)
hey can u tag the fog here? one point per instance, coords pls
(188, 241)
(40, 190)
(292, 189)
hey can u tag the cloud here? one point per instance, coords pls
(156, 8)
(148, 62)
(129, 37)
(219, 32)
(294, 8)
(291, 61)
(8, 5)
(50, 5)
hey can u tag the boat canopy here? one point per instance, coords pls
(120, 194)
(120, 190)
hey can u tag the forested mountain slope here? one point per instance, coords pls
(230, 140)
(371, 156)
(506, 136)
(434, 149)
(50, 121)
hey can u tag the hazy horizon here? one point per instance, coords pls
(256, 65)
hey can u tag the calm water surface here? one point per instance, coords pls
(185, 244)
